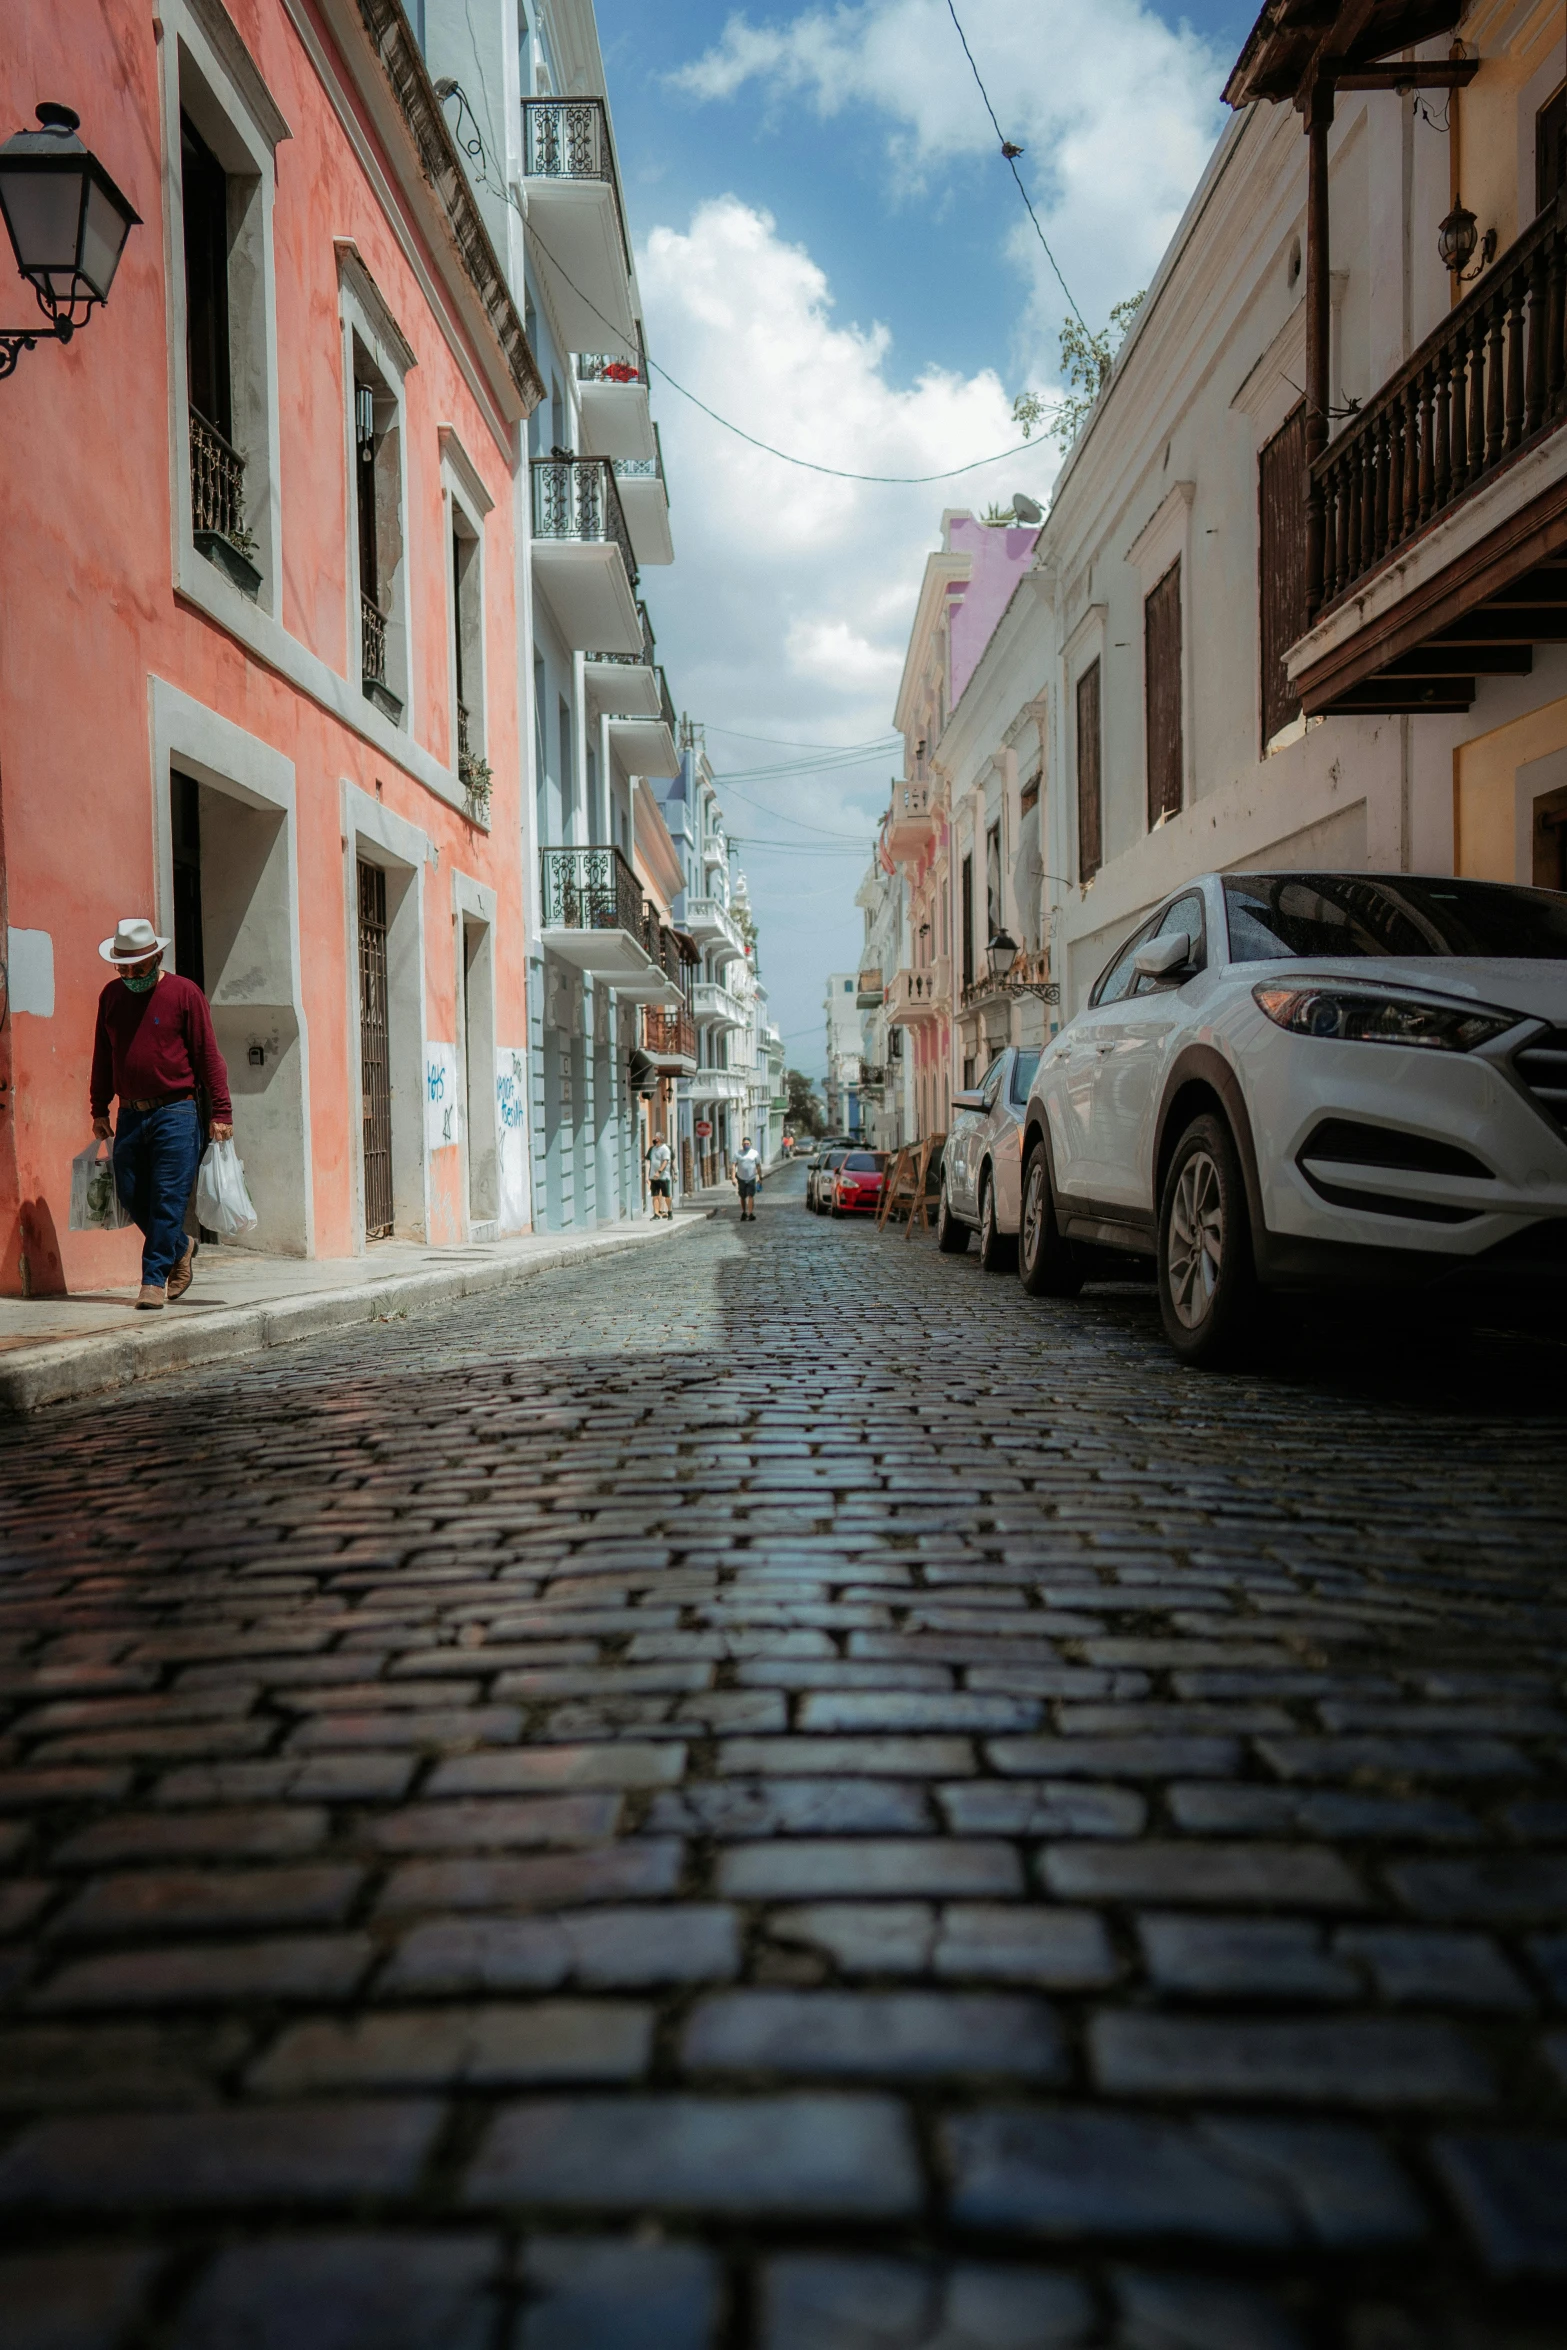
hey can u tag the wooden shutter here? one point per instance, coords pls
(1090, 806)
(1162, 673)
(1281, 566)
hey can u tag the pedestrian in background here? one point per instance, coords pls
(660, 1158)
(155, 1049)
(748, 1174)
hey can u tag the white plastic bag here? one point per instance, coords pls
(222, 1202)
(96, 1205)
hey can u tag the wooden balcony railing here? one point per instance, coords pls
(668, 1035)
(1491, 379)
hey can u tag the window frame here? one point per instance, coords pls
(376, 351)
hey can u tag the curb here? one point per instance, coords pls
(68, 1368)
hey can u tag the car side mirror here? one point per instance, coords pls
(968, 1101)
(1162, 957)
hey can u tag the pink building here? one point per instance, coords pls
(258, 669)
(968, 584)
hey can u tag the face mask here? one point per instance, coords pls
(139, 986)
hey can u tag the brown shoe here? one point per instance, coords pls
(179, 1278)
(152, 1300)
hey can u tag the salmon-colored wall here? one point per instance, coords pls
(89, 613)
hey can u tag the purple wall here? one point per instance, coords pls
(1000, 558)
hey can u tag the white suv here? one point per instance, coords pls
(1288, 1080)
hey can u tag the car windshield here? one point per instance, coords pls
(861, 1163)
(1277, 915)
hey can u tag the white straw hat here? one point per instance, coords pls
(133, 941)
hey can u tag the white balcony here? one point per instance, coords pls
(626, 685)
(925, 994)
(718, 1085)
(646, 745)
(578, 237)
(712, 925)
(612, 401)
(645, 497)
(715, 1006)
(582, 559)
(912, 824)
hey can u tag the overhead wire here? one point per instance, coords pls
(478, 150)
(1011, 152)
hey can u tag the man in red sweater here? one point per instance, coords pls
(155, 1048)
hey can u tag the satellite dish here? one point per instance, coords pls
(1027, 509)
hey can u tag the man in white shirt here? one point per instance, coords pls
(748, 1174)
(660, 1158)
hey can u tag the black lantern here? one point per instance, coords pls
(68, 223)
(1456, 240)
(1000, 956)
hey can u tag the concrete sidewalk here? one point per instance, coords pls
(55, 1348)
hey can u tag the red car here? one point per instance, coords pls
(856, 1188)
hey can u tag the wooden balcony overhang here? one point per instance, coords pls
(1295, 44)
(1444, 503)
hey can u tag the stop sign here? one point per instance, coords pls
(702, 1129)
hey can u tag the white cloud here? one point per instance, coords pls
(788, 611)
(1116, 111)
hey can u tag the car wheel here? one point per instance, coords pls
(995, 1249)
(1207, 1279)
(951, 1233)
(1048, 1266)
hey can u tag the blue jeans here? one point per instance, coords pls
(156, 1154)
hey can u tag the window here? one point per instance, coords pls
(1090, 805)
(1022, 1078)
(1550, 150)
(968, 921)
(1281, 566)
(1186, 914)
(1117, 978)
(541, 776)
(1162, 685)
(992, 882)
(568, 781)
(227, 408)
(467, 643)
(378, 531)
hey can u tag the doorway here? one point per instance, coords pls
(1550, 840)
(478, 1046)
(375, 1053)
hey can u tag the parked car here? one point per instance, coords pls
(1284, 1081)
(981, 1181)
(819, 1175)
(857, 1185)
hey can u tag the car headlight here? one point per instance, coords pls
(1363, 1016)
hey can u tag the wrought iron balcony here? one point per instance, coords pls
(372, 643)
(575, 500)
(217, 503)
(591, 889)
(645, 659)
(609, 367)
(1490, 380)
(666, 707)
(566, 139)
(646, 496)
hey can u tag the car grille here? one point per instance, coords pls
(1542, 1064)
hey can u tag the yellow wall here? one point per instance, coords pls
(1485, 795)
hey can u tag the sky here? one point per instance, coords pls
(833, 256)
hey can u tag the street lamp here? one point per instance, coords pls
(1000, 956)
(68, 223)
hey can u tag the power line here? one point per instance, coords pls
(1011, 153)
(783, 743)
(478, 150)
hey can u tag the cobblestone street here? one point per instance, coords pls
(788, 1797)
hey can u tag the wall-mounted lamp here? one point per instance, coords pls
(67, 223)
(1456, 240)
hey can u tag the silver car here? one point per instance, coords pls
(981, 1170)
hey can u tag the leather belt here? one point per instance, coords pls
(161, 1101)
